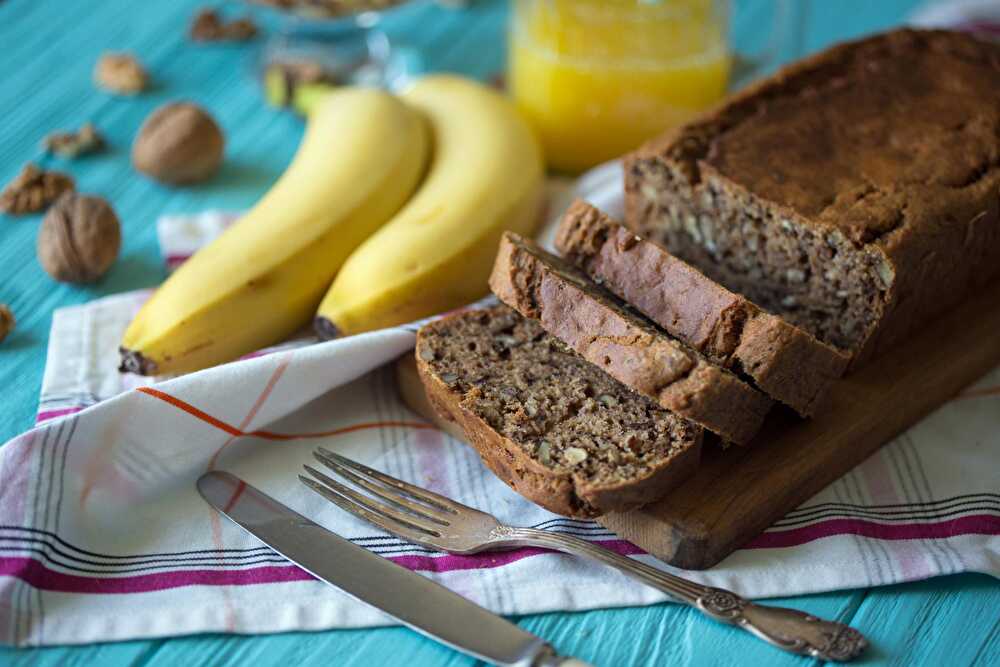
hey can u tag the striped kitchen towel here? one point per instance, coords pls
(103, 536)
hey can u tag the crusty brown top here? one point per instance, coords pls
(898, 130)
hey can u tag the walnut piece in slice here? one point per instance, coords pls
(208, 26)
(73, 144)
(33, 190)
(120, 73)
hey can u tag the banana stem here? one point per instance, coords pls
(301, 98)
(306, 97)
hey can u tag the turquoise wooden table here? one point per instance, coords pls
(48, 51)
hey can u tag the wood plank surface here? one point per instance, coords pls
(740, 491)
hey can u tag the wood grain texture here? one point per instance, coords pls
(739, 491)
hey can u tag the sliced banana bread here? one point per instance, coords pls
(784, 361)
(599, 327)
(556, 428)
(856, 193)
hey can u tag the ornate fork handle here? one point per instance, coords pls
(789, 629)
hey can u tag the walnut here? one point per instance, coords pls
(178, 143)
(886, 274)
(72, 144)
(208, 26)
(33, 190)
(79, 239)
(120, 73)
(7, 321)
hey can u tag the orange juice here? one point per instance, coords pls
(598, 77)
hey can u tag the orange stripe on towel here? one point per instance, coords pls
(268, 435)
(190, 409)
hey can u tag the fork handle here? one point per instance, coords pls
(788, 629)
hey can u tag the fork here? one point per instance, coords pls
(432, 520)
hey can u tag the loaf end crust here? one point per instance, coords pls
(856, 192)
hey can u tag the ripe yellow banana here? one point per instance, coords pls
(361, 158)
(486, 176)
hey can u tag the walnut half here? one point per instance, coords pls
(72, 144)
(208, 26)
(33, 190)
(120, 73)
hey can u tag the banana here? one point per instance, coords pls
(486, 176)
(361, 158)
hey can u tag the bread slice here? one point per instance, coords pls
(856, 192)
(599, 327)
(787, 363)
(557, 429)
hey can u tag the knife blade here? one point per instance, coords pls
(413, 600)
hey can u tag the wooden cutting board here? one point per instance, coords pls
(738, 492)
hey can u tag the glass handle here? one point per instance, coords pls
(757, 52)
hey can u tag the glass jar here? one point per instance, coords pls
(597, 78)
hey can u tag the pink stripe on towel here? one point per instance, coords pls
(976, 524)
(37, 574)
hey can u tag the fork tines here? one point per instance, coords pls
(392, 504)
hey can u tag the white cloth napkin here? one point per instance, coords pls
(103, 536)
(982, 16)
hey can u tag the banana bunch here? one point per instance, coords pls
(391, 210)
(361, 158)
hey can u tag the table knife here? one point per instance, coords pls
(413, 600)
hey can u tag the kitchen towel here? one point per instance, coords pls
(103, 536)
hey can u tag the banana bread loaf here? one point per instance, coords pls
(554, 427)
(787, 363)
(855, 193)
(600, 328)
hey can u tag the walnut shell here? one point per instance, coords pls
(7, 321)
(79, 239)
(178, 144)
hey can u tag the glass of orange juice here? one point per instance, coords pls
(597, 78)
